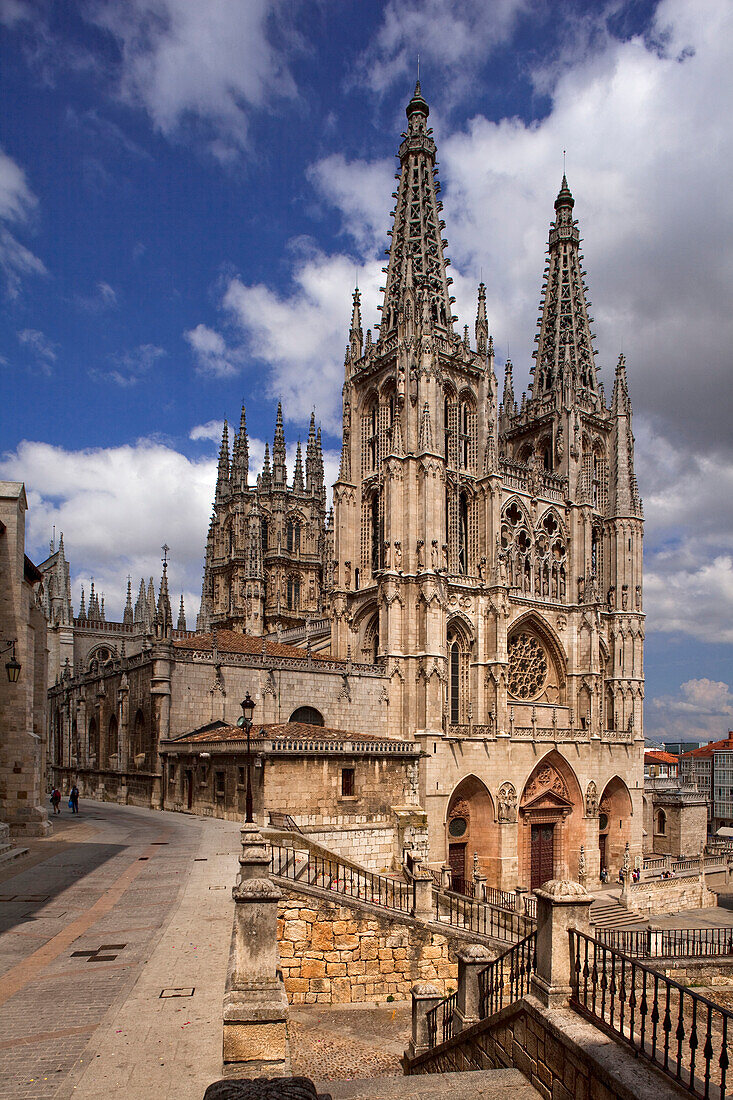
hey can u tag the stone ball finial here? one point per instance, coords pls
(476, 952)
(562, 889)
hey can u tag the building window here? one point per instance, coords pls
(373, 437)
(264, 535)
(219, 781)
(292, 537)
(661, 823)
(309, 716)
(455, 684)
(347, 782)
(293, 593)
(463, 534)
(240, 777)
(376, 533)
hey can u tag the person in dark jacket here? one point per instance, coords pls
(74, 799)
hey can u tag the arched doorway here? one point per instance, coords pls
(614, 824)
(551, 823)
(471, 840)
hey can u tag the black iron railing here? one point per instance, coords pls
(480, 917)
(530, 908)
(506, 979)
(440, 1021)
(330, 874)
(682, 1033)
(669, 943)
(280, 820)
(502, 899)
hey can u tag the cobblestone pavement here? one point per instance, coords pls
(95, 922)
(349, 1042)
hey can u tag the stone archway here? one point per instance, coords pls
(614, 824)
(471, 839)
(551, 823)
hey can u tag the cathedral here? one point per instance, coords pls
(483, 561)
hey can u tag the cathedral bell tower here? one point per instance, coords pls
(418, 457)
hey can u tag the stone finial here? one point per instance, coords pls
(560, 890)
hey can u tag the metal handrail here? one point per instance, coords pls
(682, 1033)
(331, 874)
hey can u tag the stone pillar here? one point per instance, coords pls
(255, 1005)
(423, 886)
(561, 905)
(445, 877)
(479, 882)
(471, 961)
(424, 998)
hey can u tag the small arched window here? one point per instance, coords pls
(93, 732)
(661, 823)
(376, 534)
(309, 716)
(138, 734)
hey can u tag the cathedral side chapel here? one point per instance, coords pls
(482, 565)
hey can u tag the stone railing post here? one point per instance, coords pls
(561, 905)
(424, 998)
(480, 886)
(445, 877)
(255, 1005)
(423, 887)
(471, 961)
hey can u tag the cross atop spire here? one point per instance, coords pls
(416, 253)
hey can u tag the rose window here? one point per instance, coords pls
(527, 666)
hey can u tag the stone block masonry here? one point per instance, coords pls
(331, 954)
(668, 895)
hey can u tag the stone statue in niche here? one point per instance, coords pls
(638, 597)
(591, 800)
(421, 553)
(347, 574)
(507, 802)
(434, 554)
(398, 555)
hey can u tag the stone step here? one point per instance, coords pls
(9, 852)
(485, 1084)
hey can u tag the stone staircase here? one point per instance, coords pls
(608, 912)
(8, 850)
(484, 1084)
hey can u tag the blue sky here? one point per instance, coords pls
(189, 191)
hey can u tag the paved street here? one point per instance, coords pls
(120, 905)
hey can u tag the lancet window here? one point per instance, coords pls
(466, 433)
(516, 544)
(459, 669)
(550, 559)
(292, 589)
(292, 536)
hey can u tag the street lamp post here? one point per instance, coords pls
(248, 707)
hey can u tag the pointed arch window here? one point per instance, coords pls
(93, 734)
(376, 533)
(459, 658)
(373, 435)
(264, 535)
(293, 592)
(292, 536)
(463, 534)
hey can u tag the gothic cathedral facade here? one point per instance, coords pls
(487, 554)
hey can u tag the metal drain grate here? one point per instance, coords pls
(187, 991)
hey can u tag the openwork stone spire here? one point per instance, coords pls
(416, 231)
(564, 355)
(279, 469)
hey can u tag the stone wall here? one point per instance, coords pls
(668, 895)
(563, 1056)
(334, 954)
(373, 846)
(207, 690)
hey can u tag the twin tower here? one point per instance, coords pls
(486, 554)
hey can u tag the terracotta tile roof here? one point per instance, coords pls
(229, 641)
(286, 731)
(656, 756)
(725, 745)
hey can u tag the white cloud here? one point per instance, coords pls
(127, 368)
(213, 355)
(17, 206)
(104, 297)
(204, 67)
(212, 429)
(453, 37)
(701, 711)
(116, 507)
(361, 191)
(41, 347)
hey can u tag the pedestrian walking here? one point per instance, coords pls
(74, 799)
(56, 800)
